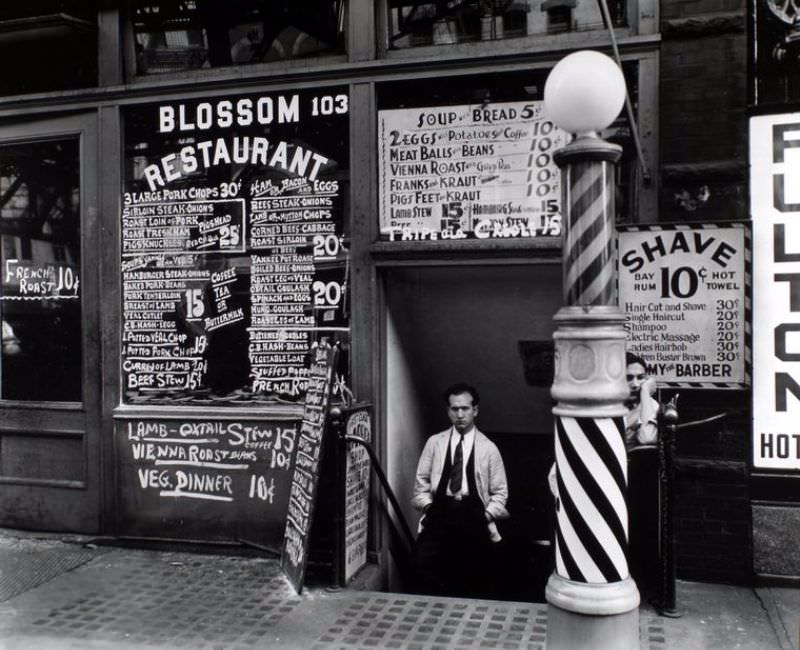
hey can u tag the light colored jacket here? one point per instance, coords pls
(490, 473)
(641, 423)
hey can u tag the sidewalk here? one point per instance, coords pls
(64, 593)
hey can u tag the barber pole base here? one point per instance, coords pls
(568, 630)
(593, 601)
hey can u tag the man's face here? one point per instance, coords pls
(461, 411)
(635, 375)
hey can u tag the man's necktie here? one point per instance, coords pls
(457, 470)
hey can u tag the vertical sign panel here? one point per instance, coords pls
(684, 292)
(773, 48)
(308, 453)
(775, 209)
(357, 482)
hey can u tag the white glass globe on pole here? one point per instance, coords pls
(584, 92)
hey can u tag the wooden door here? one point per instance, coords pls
(49, 366)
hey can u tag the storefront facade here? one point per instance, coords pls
(210, 194)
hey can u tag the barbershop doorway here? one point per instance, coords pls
(490, 326)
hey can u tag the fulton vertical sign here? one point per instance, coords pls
(775, 210)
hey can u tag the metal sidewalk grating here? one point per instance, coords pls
(414, 623)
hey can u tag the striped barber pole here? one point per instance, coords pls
(589, 253)
(592, 520)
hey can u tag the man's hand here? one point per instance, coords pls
(648, 387)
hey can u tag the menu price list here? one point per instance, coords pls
(232, 470)
(683, 294)
(203, 276)
(306, 466)
(28, 280)
(469, 172)
(357, 484)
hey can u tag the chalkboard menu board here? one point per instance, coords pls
(479, 171)
(357, 483)
(305, 473)
(220, 478)
(234, 246)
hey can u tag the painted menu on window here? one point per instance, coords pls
(234, 246)
(217, 478)
(480, 171)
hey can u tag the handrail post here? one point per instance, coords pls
(337, 425)
(666, 448)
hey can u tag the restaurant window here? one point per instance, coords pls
(472, 159)
(176, 35)
(40, 302)
(48, 45)
(444, 22)
(234, 246)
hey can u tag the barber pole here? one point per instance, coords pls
(592, 531)
(592, 600)
(591, 568)
(588, 200)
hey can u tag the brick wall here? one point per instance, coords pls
(712, 488)
(713, 521)
(703, 177)
(703, 86)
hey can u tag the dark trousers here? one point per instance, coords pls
(453, 555)
(644, 512)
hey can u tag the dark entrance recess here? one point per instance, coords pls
(475, 324)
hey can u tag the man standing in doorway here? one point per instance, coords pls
(641, 422)
(461, 489)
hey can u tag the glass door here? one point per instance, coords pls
(49, 372)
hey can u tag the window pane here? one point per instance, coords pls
(234, 246)
(41, 285)
(52, 44)
(175, 35)
(443, 22)
(471, 157)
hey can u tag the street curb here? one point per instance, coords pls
(767, 599)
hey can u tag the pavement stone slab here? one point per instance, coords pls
(782, 605)
(145, 599)
(129, 599)
(28, 563)
(421, 623)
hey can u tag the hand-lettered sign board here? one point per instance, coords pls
(305, 473)
(221, 478)
(232, 239)
(358, 424)
(684, 291)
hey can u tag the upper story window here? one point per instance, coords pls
(48, 45)
(176, 35)
(441, 22)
